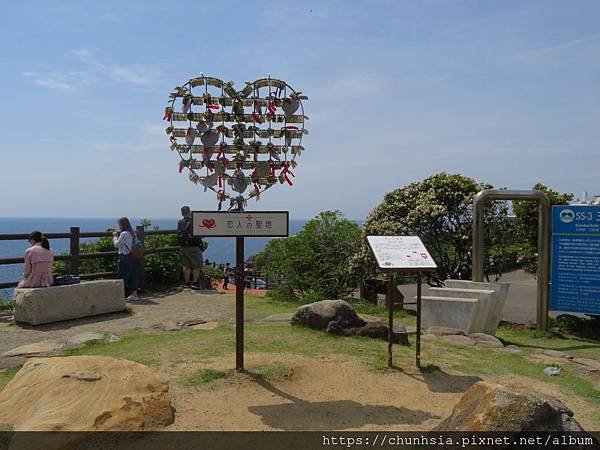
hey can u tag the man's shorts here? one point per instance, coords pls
(191, 258)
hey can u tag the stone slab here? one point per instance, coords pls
(591, 365)
(205, 326)
(459, 340)
(35, 349)
(80, 339)
(57, 303)
(279, 317)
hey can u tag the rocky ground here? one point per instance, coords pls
(166, 308)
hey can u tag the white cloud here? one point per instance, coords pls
(154, 129)
(569, 44)
(132, 75)
(91, 71)
(52, 83)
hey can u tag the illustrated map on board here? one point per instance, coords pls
(400, 252)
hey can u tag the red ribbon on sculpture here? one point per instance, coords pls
(285, 171)
(212, 106)
(181, 166)
(257, 117)
(168, 113)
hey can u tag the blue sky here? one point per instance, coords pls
(505, 92)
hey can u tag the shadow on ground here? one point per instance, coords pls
(439, 381)
(333, 415)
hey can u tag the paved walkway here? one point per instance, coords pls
(170, 307)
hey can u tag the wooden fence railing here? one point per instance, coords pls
(75, 256)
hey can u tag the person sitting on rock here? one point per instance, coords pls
(38, 262)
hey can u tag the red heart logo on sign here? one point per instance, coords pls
(209, 223)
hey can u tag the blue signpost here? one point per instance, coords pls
(576, 259)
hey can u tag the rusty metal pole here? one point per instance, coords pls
(140, 231)
(390, 306)
(239, 304)
(74, 251)
(418, 335)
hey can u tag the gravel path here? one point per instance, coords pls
(175, 306)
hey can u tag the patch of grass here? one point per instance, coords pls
(489, 363)
(261, 307)
(272, 372)
(6, 304)
(204, 376)
(529, 339)
(8, 375)
(128, 310)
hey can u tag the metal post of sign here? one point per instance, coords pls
(239, 304)
(418, 335)
(390, 306)
(240, 224)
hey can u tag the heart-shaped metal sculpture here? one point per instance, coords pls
(245, 139)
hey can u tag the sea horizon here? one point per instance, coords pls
(220, 250)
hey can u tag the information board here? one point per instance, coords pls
(576, 259)
(243, 223)
(401, 253)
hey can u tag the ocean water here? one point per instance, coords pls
(220, 250)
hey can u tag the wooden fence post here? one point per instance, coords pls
(74, 251)
(140, 235)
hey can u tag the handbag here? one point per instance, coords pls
(65, 280)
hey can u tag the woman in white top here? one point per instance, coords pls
(128, 269)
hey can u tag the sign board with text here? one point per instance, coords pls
(240, 223)
(399, 253)
(576, 259)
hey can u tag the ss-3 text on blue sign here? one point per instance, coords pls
(576, 259)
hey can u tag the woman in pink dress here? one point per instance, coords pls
(38, 262)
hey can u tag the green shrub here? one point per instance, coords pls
(162, 268)
(315, 261)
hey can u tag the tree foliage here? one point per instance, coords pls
(439, 210)
(527, 224)
(315, 261)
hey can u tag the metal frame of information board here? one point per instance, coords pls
(390, 305)
(239, 280)
(543, 270)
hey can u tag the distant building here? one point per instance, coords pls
(587, 199)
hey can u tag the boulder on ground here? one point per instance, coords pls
(492, 407)
(443, 331)
(317, 315)
(374, 329)
(338, 317)
(85, 393)
(486, 340)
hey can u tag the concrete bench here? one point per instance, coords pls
(54, 304)
(472, 307)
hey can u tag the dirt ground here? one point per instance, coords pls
(322, 393)
(329, 392)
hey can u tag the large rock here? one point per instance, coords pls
(374, 329)
(85, 393)
(318, 315)
(57, 303)
(492, 407)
